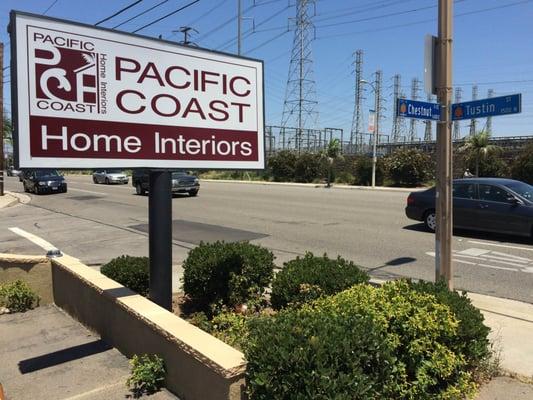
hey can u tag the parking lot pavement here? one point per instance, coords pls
(47, 355)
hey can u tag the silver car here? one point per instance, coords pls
(109, 176)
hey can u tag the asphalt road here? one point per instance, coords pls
(97, 222)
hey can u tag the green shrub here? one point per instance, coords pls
(522, 167)
(231, 328)
(132, 272)
(282, 165)
(490, 166)
(17, 296)
(363, 343)
(363, 174)
(308, 278)
(409, 167)
(471, 338)
(226, 274)
(147, 374)
(309, 167)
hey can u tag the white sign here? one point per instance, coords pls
(371, 121)
(89, 98)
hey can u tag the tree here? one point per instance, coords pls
(329, 155)
(478, 148)
(522, 168)
(409, 167)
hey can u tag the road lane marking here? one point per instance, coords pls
(33, 238)
(512, 256)
(474, 252)
(495, 267)
(501, 245)
(87, 191)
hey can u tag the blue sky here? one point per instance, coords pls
(493, 45)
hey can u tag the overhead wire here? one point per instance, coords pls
(141, 13)
(50, 7)
(166, 16)
(118, 12)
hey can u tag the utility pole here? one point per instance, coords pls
(378, 100)
(490, 94)
(444, 206)
(185, 30)
(415, 87)
(473, 122)
(2, 163)
(457, 124)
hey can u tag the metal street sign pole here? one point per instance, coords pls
(444, 207)
(2, 162)
(160, 238)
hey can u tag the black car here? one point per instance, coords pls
(483, 204)
(182, 182)
(41, 181)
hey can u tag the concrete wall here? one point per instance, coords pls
(199, 366)
(36, 271)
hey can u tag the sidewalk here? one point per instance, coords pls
(319, 185)
(7, 200)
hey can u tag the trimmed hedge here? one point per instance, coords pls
(132, 272)
(471, 339)
(308, 278)
(226, 274)
(363, 343)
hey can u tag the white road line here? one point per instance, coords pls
(33, 238)
(87, 191)
(512, 256)
(488, 259)
(91, 393)
(494, 267)
(501, 245)
(463, 261)
(506, 259)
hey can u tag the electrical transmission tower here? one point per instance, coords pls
(456, 124)
(396, 122)
(428, 134)
(490, 94)
(356, 135)
(300, 107)
(378, 87)
(415, 88)
(473, 122)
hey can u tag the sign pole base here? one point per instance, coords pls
(160, 238)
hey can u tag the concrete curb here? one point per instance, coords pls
(20, 197)
(8, 200)
(318, 185)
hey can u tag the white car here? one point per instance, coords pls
(109, 176)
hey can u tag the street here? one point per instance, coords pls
(98, 222)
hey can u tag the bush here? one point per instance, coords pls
(363, 175)
(282, 165)
(472, 335)
(363, 343)
(309, 167)
(522, 167)
(147, 374)
(409, 167)
(308, 278)
(17, 296)
(231, 328)
(132, 272)
(226, 274)
(490, 166)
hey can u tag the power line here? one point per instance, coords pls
(223, 24)
(267, 42)
(141, 13)
(166, 16)
(118, 12)
(50, 6)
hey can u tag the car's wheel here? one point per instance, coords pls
(106, 181)
(193, 193)
(430, 220)
(95, 180)
(139, 189)
(25, 187)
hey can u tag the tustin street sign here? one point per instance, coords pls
(418, 109)
(491, 107)
(89, 97)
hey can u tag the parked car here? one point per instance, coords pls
(483, 204)
(109, 176)
(41, 181)
(11, 171)
(182, 182)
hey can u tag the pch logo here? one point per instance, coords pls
(65, 74)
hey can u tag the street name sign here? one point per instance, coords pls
(490, 107)
(90, 97)
(418, 109)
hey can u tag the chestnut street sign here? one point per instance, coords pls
(418, 109)
(87, 97)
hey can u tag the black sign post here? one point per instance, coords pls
(160, 238)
